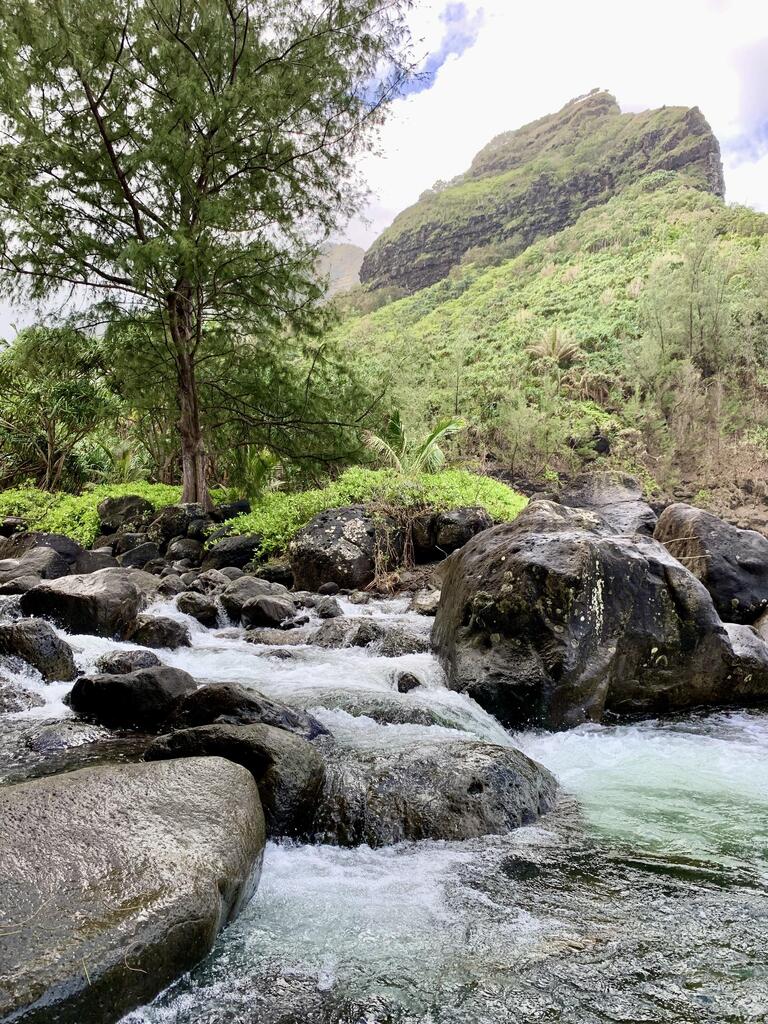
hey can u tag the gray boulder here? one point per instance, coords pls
(92, 561)
(44, 562)
(731, 563)
(267, 611)
(141, 699)
(235, 551)
(117, 880)
(238, 592)
(616, 497)
(21, 544)
(551, 620)
(200, 607)
(36, 642)
(104, 603)
(341, 546)
(117, 663)
(288, 770)
(230, 704)
(160, 631)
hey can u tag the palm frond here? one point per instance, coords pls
(383, 449)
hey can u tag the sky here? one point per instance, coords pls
(494, 65)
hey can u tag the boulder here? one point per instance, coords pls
(43, 562)
(15, 698)
(616, 497)
(231, 572)
(11, 524)
(65, 734)
(436, 535)
(382, 706)
(552, 620)
(229, 509)
(276, 571)
(328, 589)
(425, 602)
(171, 585)
(185, 548)
(230, 704)
(448, 790)
(141, 555)
(209, 581)
(288, 770)
(267, 611)
(236, 551)
(341, 546)
(117, 663)
(117, 880)
(36, 642)
(398, 640)
(328, 608)
(407, 681)
(104, 603)
(239, 591)
(348, 632)
(120, 513)
(160, 631)
(132, 700)
(175, 521)
(19, 585)
(129, 540)
(92, 561)
(731, 563)
(199, 607)
(21, 543)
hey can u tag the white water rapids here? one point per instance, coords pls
(642, 898)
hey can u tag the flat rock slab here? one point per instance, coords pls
(116, 880)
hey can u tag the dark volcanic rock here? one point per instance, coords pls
(551, 621)
(119, 662)
(36, 642)
(200, 607)
(234, 551)
(43, 562)
(449, 790)
(339, 546)
(238, 592)
(267, 611)
(22, 543)
(288, 770)
(160, 631)
(104, 603)
(138, 557)
(437, 534)
(185, 548)
(731, 563)
(230, 704)
(116, 880)
(140, 699)
(92, 561)
(616, 497)
(119, 513)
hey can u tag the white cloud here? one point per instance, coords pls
(530, 59)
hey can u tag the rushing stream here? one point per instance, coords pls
(642, 898)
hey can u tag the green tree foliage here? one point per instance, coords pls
(52, 396)
(182, 163)
(409, 456)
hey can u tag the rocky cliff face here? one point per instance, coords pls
(537, 180)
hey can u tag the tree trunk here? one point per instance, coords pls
(194, 459)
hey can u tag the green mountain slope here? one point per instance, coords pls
(535, 181)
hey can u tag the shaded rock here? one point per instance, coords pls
(119, 513)
(19, 585)
(139, 556)
(10, 525)
(159, 857)
(229, 509)
(440, 790)
(340, 546)
(160, 631)
(231, 572)
(348, 632)
(407, 681)
(230, 704)
(551, 621)
(92, 561)
(398, 640)
(328, 608)
(288, 770)
(43, 562)
(139, 699)
(275, 571)
(171, 585)
(36, 642)
(21, 544)
(237, 551)
(199, 607)
(176, 521)
(209, 581)
(105, 602)
(15, 698)
(384, 707)
(120, 662)
(267, 611)
(731, 563)
(125, 542)
(185, 547)
(239, 591)
(328, 589)
(53, 737)
(616, 497)
(438, 534)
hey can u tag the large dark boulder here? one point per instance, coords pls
(92, 561)
(200, 607)
(175, 521)
(230, 704)
(160, 631)
(437, 534)
(238, 592)
(288, 770)
(235, 551)
(104, 603)
(731, 563)
(116, 880)
(616, 497)
(266, 610)
(341, 545)
(429, 790)
(36, 642)
(120, 513)
(21, 543)
(553, 620)
(137, 557)
(141, 699)
(43, 562)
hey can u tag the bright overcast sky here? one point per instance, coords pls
(503, 63)
(496, 64)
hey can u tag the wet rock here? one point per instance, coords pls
(267, 611)
(53, 737)
(160, 631)
(140, 699)
(340, 546)
(120, 513)
(230, 704)
(236, 551)
(437, 534)
(348, 632)
(231, 572)
(15, 698)
(199, 607)
(407, 681)
(239, 591)
(384, 707)
(551, 621)
(19, 585)
(129, 540)
(399, 640)
(616, 497)
(171, 585)
(138, 557)
(731, 563)
(159, 857)
(104, 603)
(288, 770)
(328, 608)
(21, 544)
(429, 790)
(359, 597)
(426, 602)
(279, 637)
(120, 662)
(185, 548)
(328, 589)
(36, 642)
